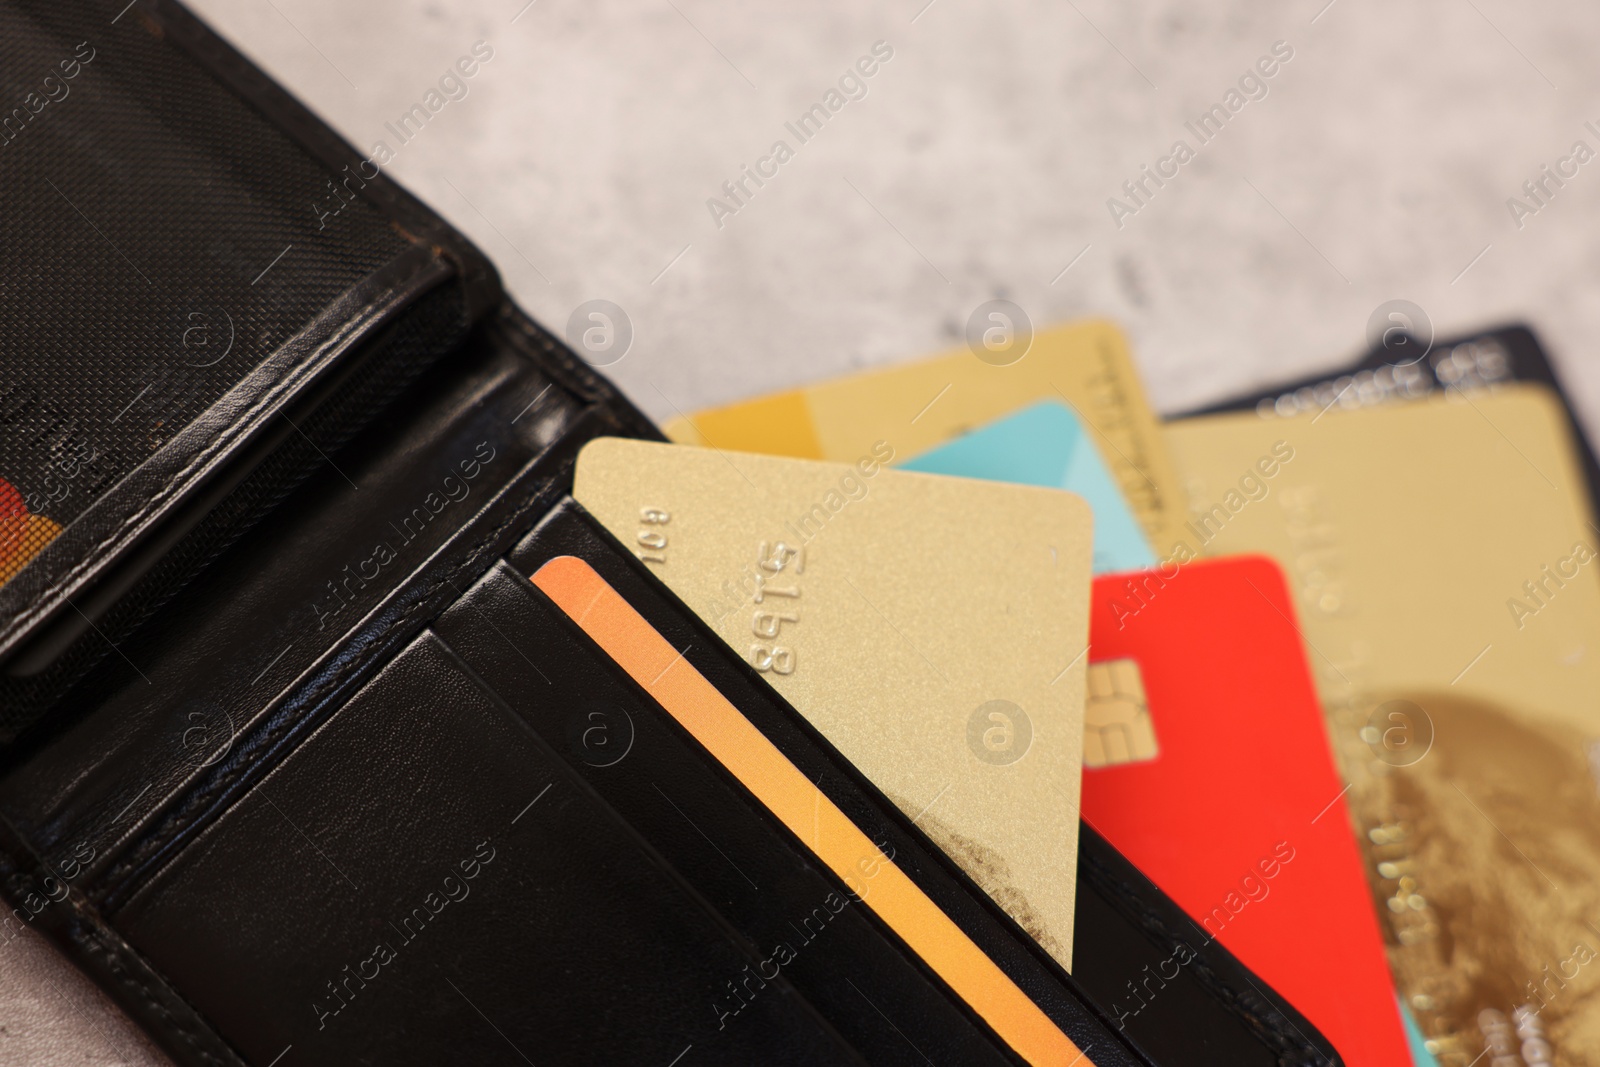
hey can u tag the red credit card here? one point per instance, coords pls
(1206, 763)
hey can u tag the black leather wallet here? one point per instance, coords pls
(302, 764)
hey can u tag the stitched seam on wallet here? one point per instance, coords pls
(195, 803)
(579, 376)
(117, 957)
(203, 451)
(570, 372)
(92, 937)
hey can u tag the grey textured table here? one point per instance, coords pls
(1378, 165)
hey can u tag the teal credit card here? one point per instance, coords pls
(1045, 444)
(1420, 1056)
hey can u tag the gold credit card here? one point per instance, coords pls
(932, 628)
(916, 406)
(1444, 563)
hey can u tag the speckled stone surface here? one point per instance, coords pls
(978, 164)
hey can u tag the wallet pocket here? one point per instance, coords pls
(425, 881)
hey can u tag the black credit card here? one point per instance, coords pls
(1405, 369)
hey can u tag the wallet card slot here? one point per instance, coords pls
(569, 530)
(802, 924)
(423, 881)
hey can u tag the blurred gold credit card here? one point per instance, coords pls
(1444, 563)
(932, 628)
(916, 406)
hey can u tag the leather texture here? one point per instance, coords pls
(154, 412)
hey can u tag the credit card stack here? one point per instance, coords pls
(1334, 691)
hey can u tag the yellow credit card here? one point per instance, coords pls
(933, 629)
(916, 406)
(1445, 567)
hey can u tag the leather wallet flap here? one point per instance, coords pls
(206, 290)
